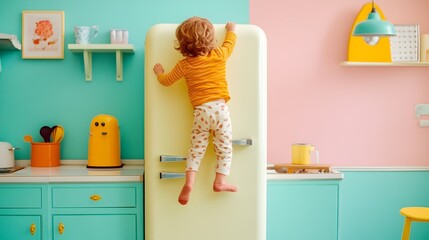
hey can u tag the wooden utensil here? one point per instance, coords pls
(28, 138)
(46, 131)
(57, 134)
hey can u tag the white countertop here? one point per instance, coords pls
(134, 173)
(79, 173)
(74, 173)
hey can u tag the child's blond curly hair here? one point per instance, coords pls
(196, 37)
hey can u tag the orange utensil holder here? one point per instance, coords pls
(45, 154)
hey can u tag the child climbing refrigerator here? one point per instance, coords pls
(168, 121)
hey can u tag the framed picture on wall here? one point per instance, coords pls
(42, 34)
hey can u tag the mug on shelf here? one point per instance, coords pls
(118, 36)
(85, 34)
(424, 47)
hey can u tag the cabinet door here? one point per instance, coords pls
(20, 227)
(302, 211)
(95, 227)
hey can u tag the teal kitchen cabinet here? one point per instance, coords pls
(20, 227)
(372, 198)
(62, 211)
(22, 210)
(95, 226)
(302, 209)
(97, 211)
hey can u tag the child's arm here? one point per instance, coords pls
(230, 26)
(230, 39)
(158, 69)
(169, 78)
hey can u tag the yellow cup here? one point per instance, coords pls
(301, 153)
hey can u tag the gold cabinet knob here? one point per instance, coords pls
(33, 229)
(61, 228)
(95, 197)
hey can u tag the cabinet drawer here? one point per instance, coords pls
(93, 197)
(20, 197)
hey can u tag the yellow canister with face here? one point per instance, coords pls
(104, 147)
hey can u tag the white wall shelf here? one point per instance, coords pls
(9, 42)
(385, 64)
(88, 49)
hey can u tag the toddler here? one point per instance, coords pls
(204, 69)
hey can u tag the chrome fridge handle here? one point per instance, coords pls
(243, 142)
(171, 175)
(171, 158)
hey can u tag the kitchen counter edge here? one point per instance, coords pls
(74, 174)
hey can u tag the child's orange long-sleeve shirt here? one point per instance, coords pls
(205, 75)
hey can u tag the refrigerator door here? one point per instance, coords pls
(168, 120)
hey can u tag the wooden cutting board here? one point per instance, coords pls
(300, 168)
(10, 170)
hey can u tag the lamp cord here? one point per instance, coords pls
(373, 7)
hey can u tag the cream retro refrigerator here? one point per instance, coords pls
(168, 120)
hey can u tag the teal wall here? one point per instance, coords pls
(34, 93)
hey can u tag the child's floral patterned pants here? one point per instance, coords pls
(212, 117)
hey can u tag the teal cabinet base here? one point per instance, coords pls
(71, 211)
(302, 210)
(371, 200)
(363, 205)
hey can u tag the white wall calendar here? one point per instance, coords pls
(405, 46)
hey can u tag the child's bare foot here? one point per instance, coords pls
(187, 187)
(184, 194)
(220, 185)
(224, 187)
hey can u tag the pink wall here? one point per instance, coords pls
(360, 116)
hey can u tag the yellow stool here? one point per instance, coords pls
(413, 214)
